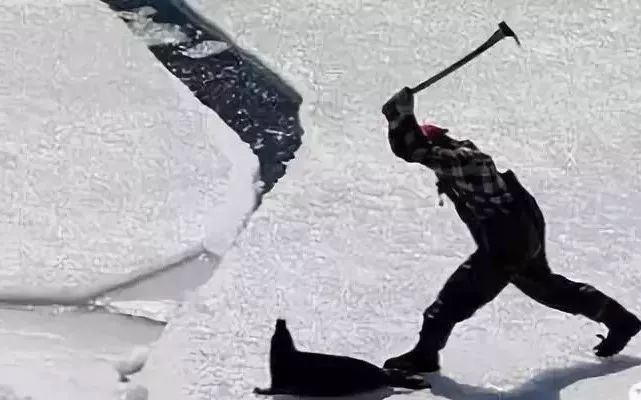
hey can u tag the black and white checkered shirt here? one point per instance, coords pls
(467, 175)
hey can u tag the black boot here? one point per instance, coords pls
(622, 326)
(421, 359)
(424, 357)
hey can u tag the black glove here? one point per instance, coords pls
(402, 102)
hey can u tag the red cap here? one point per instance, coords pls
(432, 131)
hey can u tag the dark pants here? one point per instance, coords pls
(476, 282)
(484, 275)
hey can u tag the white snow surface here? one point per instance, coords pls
(110, 167)
(70, 355)
(349, 246)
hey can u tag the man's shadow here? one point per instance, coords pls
(546, 386)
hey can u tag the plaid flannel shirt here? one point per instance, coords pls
(467, 175)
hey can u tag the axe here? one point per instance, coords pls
(501, 33)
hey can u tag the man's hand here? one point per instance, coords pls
(402, 102)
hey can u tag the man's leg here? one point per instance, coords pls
(537, 281)
(474, 283)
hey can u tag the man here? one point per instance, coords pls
(509, 231)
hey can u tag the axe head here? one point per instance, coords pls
(507, 31)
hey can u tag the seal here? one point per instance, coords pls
(301, 373)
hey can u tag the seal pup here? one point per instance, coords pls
(295, 372)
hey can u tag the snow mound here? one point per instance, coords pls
(133, 363)
(110, 166)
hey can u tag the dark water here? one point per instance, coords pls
(259, 106)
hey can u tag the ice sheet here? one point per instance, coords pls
(109, 165)
(65, 353)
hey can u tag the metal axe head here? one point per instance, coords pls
(507, 31)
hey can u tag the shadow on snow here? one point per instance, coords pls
(545, 386)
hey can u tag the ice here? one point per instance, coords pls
(154, 310)
(152, 33)
(110, 167)
(131, 363)
(71, 354)
(111, 173)
(205, 49)
(349, 246)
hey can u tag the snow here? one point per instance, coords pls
(111, 169)
(349, 246)
(70, 354)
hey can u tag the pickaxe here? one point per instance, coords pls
(501, 33)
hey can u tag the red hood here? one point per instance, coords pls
(432, 131)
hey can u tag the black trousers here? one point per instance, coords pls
(483, 276)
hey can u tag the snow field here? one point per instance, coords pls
(349, 247)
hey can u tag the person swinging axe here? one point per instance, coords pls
(508, 228)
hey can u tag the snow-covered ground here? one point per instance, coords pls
(349, 246)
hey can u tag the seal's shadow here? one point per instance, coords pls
(545, 386)
(379, 394)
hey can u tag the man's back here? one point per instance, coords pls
(465, 174)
